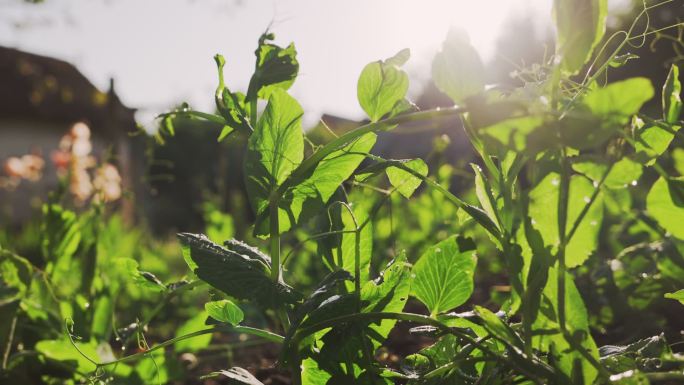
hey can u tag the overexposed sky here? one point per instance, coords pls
(160, 51)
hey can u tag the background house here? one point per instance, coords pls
(40, 99)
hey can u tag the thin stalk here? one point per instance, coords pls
(274, 238)
(269, 336)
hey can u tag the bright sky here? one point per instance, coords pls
(160, 51)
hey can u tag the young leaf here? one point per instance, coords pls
(224, 311)
(274, 149)
(309, 196)
(458, 70)
(483, 195)
(382, 84)
(651, 141)
(405, 182)
(678, 295)
(240, 275)
(444, 275)
(544, 213)
(276, 68)
(664, 204)
(580, 26)
(672, 100)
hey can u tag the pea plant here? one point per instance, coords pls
(557, 160)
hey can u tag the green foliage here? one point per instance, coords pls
(444, 275)
(580, 27)
(382, 86)
(572, 236)
(224, 311)
(458, 70)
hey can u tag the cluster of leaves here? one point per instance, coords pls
(67, 307)
(557, 157)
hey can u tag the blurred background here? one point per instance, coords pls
(114, 65)
(81, 85)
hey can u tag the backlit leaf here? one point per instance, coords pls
(457, 69)
(544, 214)
(276, 68)
(275, 148)
(382, 84)
(405, 182)
(224, 311)
(444, 275)
(580, 26)
(678, 295)
(672, 99)
(663, 204)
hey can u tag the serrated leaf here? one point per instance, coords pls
(672, 99)
(665, 206)
(544, 214)
(405, 182)
(382, 84)
(457, 69)
(224, 311)
(580, 26)
(275, 148)
(239, 275)
(444, 275)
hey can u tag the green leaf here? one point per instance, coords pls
(624, 172)
(678, 295)
(665, 206)
(515, 133)
(194, 324)
(310, 195)
(651, 141)
(276, 68)
(497, 327)
(224, 311)
(678, 160)
(618, 101)
(672, 100)
(577, 324)
(64, 351)
(580, 26)
(405, 182)
(457, 69)
(483, 192)
(15, 277)
(239, 273)
(388, 293)
(344, 255)
(275, 148)
(382, 84)
(604, 112)
(444, 275)
(543, 210)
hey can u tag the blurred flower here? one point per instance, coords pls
(33, 167)
(14, 167)
(107, 183)
(29, 167)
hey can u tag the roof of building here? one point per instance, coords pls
(43, 88)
